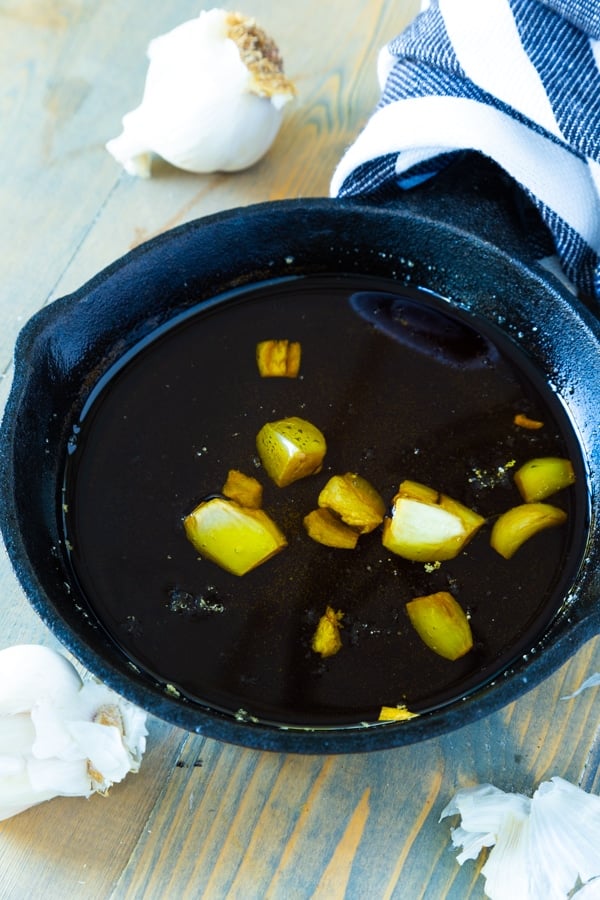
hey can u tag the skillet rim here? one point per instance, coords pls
(40, 331)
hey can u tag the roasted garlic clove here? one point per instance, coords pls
(326, 639)
(244, 489)
(278, 359)
(235, 538)
(354, 500)
(441, 623)
(523, 421)
(517, 525)
(325, 528)
(427, 526)
(290, 449)
(396, 714)
(541, 477)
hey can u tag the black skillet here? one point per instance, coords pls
(461, 252)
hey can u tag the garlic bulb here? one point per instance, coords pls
(213, 98)
(60, 736)
(543, 847)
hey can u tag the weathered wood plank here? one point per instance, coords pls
(207, 819)
(78, 847)
(284, 826)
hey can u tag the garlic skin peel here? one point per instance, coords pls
(542, 848)
(213, 98)
(60, 736)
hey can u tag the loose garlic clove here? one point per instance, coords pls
(427, 526)
(236, 538)
(327, 640)
(518, 524)
(396, 714)
(60, 736)
(325, 528)
(291, 449)
(539, 478)
(354, 500)
(441, 623)
(213, 98)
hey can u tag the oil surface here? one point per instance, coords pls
(402, 386)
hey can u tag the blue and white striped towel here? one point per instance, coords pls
(515, 80)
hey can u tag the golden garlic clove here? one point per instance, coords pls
(325, 528)
(244, 489)
(396, 714)
(541, 477)
(427, 526)
(326, 639)
(354, 500)
(523, 421)
(236, 539)
(290, 449)
(518, 524)
(441, 623)
(278, 359)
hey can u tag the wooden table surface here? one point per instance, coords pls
(205, 819)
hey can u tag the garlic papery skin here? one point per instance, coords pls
(213, 98)
(591, 682)
(31, 673)
(59, 735)
(542, 849)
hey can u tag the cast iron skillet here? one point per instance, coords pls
(469, 238)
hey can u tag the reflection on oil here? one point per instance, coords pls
(426, 330)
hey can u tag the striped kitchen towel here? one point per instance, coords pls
(515, 80)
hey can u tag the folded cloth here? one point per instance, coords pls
(517, 81)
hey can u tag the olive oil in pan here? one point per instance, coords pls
(403, 388)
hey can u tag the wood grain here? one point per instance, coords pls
(204, 819)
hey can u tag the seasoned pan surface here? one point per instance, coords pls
(403, 388)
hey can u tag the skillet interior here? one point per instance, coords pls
(401, 391)
(67, 347)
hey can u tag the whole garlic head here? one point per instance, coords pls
(60, 736)
(213, 98)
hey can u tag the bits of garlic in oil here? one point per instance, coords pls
(59, 735)
(213, 98)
